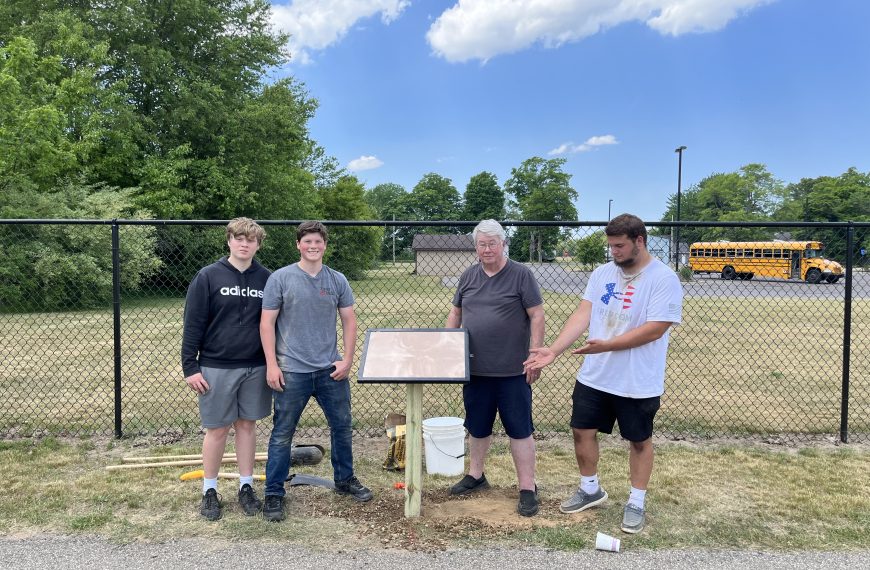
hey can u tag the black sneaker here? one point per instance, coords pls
(355, 489)
(273, 509)
(469, 484)
(211, 507)
(251, 505)
(529, 504)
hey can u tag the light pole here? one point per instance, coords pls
(679, 151)
(609, 202)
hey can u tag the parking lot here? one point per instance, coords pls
(556, 279)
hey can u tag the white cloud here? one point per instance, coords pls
(685, 16)
(482, 29)
(317, 24)
(364, 163)
(590, 144)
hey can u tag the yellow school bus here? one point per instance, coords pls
(781, 259)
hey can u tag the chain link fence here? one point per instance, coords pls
(91, 324)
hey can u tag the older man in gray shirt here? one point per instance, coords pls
(499, 302)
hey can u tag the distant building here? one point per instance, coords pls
(443, 255)
(661, 247)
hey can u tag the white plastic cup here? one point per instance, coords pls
(606, 542)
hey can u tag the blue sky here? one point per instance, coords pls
(457, 87)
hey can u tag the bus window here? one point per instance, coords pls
(768, 253)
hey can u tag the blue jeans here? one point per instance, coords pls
(334, 399)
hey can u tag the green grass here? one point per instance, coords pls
(710, 496)
(736, 365)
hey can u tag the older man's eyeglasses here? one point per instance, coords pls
(491, 245)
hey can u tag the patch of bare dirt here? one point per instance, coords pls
(444, 519)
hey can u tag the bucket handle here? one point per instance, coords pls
(432, 440)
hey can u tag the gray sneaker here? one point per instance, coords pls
(633, 519)
(581, 500)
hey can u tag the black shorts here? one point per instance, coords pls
(511, 396)
(594, 409)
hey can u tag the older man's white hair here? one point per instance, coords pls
(490, 228)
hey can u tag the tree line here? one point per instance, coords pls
(159, 109)
(753, 194)
(538, 190)
(164, 109)
(154, 109)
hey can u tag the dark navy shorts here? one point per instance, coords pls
(510, 396)
(594, 409)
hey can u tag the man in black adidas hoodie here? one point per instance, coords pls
(223, 362)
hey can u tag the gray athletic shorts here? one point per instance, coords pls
(234, 393)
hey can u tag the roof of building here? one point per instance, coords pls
(442, 242)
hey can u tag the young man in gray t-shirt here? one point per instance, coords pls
(300, 304)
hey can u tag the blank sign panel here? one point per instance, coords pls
(415, 356)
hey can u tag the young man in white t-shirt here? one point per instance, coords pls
(628, 307)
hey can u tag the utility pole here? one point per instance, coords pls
(679, 151)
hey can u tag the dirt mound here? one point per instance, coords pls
(487, 514)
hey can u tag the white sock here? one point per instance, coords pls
(637, 497)
(246, 480)
(209, 484)
(589, 485)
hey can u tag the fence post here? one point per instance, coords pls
(116, 314)
(847, 336)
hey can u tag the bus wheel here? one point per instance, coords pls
(813, 275)
(832, 278)
(729, 273)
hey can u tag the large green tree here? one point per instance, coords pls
(194, 71)
(167, 99)
(541, 191)
(388, 201)
(751, 194)
(484, 199)
(840, 198)
(434, 198)
(352, 249)
(56, 122)
(166, 96)
(56, 119)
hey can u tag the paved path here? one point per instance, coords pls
(41, 552)
(553, 277)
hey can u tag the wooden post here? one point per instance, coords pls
(413, 450)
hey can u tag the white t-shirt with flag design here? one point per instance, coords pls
(621, 303)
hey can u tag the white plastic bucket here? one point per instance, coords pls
(444, 445)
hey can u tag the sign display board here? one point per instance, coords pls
(415, 356)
